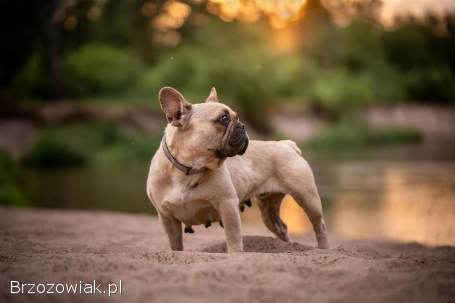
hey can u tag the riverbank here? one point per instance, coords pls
(72, 246)
(28, 122)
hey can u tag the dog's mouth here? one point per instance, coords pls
(235, 142)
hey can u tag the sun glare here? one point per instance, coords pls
(279, 13)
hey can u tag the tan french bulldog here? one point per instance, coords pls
(206, 170)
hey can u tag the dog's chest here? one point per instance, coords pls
(192, 212)
(181, 198)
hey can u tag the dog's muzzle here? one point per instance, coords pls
(235, 141)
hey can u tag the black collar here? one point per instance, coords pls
(187, 170)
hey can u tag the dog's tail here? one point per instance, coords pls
(293, 145)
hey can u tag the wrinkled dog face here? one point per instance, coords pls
(210, 126)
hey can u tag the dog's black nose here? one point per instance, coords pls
(240, 126)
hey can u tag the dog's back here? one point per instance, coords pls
(251, 172)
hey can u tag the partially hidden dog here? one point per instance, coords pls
(207, 169)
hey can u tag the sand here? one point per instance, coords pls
(45, 246)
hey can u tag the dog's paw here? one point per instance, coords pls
(323, 243)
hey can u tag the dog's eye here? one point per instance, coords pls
(224, 119)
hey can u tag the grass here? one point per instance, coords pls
(348, 135)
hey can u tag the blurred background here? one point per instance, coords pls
(366, 88)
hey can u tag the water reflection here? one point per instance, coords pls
(403, 194)
(113, 188)
(413, 202)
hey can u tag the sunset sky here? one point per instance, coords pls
(282, 12)
(415, 7)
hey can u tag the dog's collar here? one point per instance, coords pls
(187, 170)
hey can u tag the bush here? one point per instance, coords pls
(186, 70)
(100, 69)
(433, 84)
(30, 81)
(138, 147)
(243, 78)
(50, 152)
(81, 143)
(251, 78)
(338, 89)
(351, 134)
(11, 192)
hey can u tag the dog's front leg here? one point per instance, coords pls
(230, 216)
(173, 229)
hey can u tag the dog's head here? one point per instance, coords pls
(209, 127)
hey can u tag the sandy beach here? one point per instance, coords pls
(42, 246)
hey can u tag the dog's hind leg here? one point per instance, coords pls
(298, 180)
(269, 206)
(311, 204)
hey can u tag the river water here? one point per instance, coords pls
(405, 193)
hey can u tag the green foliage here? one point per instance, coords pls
(29, 81)
(435, 83)
(51, 152)
(338, 89)
(136, 148)
(185, 69)
(243, 78)
(424, 59)
(90, 143)
(251, 75)
(336, 68)
(11, 191)
(100, 69)
(347, 135)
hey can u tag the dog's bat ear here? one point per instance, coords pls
(213, 97)
(174, 106)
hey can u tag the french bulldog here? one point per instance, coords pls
(207, 169)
